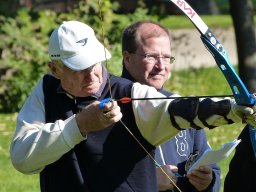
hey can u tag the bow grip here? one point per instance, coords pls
(101, 105)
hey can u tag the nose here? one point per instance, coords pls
(88, 75)
(160, 63)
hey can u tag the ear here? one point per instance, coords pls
(126, 58)
(55, 70)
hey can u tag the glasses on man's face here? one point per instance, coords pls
(153, 58)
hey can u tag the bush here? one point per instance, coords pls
(23, 48)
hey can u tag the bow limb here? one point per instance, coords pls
(240, 92)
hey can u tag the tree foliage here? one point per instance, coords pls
(24, 44)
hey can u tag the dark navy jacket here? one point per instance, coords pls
(176, 151)
(109, 160)
(241, 176)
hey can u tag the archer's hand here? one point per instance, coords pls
(246, 114)
(252, 118)
(163, 182)
(93, 118)
(201, 178)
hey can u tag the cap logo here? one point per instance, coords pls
(83, 41)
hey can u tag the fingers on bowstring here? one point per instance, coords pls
(109, 106)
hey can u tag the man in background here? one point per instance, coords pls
(147, 59)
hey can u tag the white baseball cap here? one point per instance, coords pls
(76, 45)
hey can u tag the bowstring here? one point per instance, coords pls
(110, 90)
(103, 41)
(151, 157)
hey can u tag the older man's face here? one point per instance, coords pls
(81, 83)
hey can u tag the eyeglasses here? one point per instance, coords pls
(150, 57)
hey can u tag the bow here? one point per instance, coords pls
(240, 92)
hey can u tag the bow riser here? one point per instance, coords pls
(241, 94)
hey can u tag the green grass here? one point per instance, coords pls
(204, 81)
(212, 21)
(10, 179)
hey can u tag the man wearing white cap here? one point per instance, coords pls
(75, 145)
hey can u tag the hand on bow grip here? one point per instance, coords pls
(251, 119)
(246, 113)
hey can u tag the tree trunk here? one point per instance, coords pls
(242, 15)
(204, 7)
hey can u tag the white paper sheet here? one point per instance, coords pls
(214, 156)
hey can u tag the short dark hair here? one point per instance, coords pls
(129, 36)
